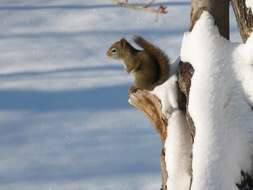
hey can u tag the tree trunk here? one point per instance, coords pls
(244, 18)
(219, 9)
(150, 104)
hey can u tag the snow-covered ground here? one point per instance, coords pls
(65, 122)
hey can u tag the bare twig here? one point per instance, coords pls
(138, 6)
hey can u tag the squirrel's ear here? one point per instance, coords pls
(123, 42)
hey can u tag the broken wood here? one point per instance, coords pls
(244, 18)
(219, 9)
(151, 106)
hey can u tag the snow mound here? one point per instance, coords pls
(244, 67)
(178, 144)
(178, 148)
(219, 103)
(167, 93)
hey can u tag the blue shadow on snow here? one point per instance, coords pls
(104, 98)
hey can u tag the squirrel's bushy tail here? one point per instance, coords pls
(158, 55)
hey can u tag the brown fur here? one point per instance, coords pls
(149, 66)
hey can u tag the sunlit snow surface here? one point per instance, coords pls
(65, 123)
(249, 4)
(220, 103)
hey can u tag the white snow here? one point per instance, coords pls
(65, 123)
(167, 93)
(218, 104)
(178, 147)
(245, 67)
(178, 144)
(249, 4)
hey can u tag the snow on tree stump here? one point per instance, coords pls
(163, 110)
(152, 106)
(244, 19)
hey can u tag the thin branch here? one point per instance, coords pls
(162, 9)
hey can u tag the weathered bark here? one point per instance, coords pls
(151, 106)
(244, 18)
(219, 9)
(164, 171)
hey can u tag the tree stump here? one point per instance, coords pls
(151, 105)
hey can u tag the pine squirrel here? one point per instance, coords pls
(150, 66)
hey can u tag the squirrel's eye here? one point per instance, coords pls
(114, 50)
